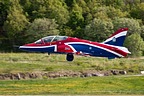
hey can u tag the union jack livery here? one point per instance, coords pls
(110, 48)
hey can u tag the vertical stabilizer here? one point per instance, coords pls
(117, 38)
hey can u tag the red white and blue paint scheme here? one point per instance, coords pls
(110, 48)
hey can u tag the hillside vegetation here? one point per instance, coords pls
(25, 21)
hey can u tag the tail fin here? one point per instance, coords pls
(117, 38)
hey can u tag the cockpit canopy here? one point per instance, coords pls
(51, 39)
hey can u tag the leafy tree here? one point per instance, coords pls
(31, 8)
(92, 5)
(108, 12)
(58, 10)
(138, 12)
(69, 2)
(84, 7)
(67, 31)
(16, 21)
(52, 9)
(135, 44)
(3, 11)
(3, 16)
(142, 32)
(76, 21)
(98, 30)
(132, 24)
(42, 27)
(130, 4)
(114, 3)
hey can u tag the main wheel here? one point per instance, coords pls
(69, 57)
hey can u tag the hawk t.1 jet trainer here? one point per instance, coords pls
(110, 48)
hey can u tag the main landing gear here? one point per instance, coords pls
(69, 57)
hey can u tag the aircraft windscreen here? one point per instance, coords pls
(45, 39)
(38, 41)
(51, 39)
(59, 38)
(48, 39)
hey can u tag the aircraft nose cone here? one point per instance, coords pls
(27, 47)
(22, 47)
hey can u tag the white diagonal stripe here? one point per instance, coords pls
(116, 36)
(96, 47)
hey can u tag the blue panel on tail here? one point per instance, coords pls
(117, 41)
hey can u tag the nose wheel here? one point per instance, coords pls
(69, 57)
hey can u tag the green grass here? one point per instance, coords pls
(33, 62)
(93, 85)
(30, 62)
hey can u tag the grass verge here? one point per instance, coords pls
(30, 62)
(110, 85)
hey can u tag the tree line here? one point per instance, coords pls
(24, 21)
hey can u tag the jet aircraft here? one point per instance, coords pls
(110, 48)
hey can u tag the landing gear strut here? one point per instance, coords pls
(69, 57)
